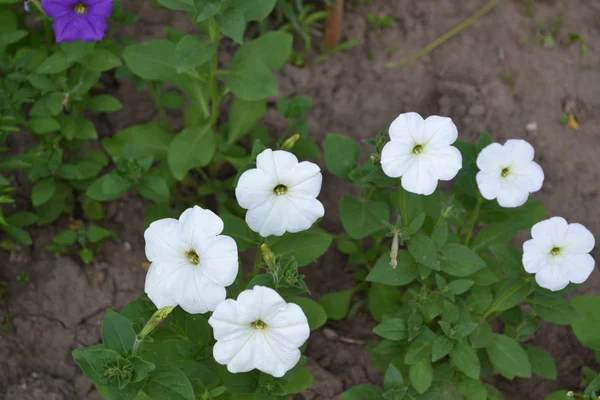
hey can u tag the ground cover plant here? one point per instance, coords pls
(453, 298)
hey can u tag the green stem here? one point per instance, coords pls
(153, 322)
(403, 211)
(257, 260)
(473, 220)
(502, 299)
(445, 37)
(214, 67)
(161, 110)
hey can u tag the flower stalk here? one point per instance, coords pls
(150, 326)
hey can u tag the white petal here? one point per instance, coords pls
(272, 357)
(552, 278)
(488, 185)
(529, 177)
(302, 213)
(278, 164)
(396, 158)
(229, 320)
(520, 151)
(492, 159)
(197, 294)
(551, 232)
(219, 260)
(269, 218)
(163, 239)
(419, 178)
(289, 326)
(198, 223)
(236, 353)
(406, 127)
(306, 178)
(511, 196)
(447, 161)
(440, 131)
(254, 188)
(534, 258)
(579, 267)
(578, 239)
(163, 281)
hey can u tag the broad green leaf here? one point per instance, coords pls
(459, 260)
(77, 50)
(101, 60)
(192, 148)
(47, 106)
(78, 128)
(66, 237)
(237, 228)
(231, 20)
(362, 218)
(586, 328)
(249, 79)
(393, 378)
(259, 10)
(43, 191)
(56, 63)
(460, 286)
(392, 329)
(314, 312)
(104, 103)
(383, 299)
(337, 304)
(305, 247)
(341, 155)
(441, 347)
(479, 300)
(43, 125)
(424, 251)
(93, 361)
(192, 51)
(511, 292)
(168, 382)
(362, 392)
(421, 376)
(273, 49)
(96, 233)
(154, 188)
(417, 351)
(542, 363)
(243, 116)
(466, 360)
(180, 5)
(472, 389)
(482, 336)
(118, 333)
(300, 382)
(406, 271)
(554, 309)
(560, 395)
(11, 37)
(496, 233)
(507, 356)
(198, 330)
(154, 60)
(139, 141)
(21, 219)
(108, 187)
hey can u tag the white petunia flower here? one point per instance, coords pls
(280, 194)
(420, 152)
(259, 331)
(508, 173)
(191, 263)
(559, 253)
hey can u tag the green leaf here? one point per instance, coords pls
(383, 299)
(93, 361)
(459, 260)
(96, 233)
(361, 218)
(337, 304)
(424, 251)
(47, 106)
(542, 363)
(305, 246)
(362, 392)
(117, 333)
(314, 312)
(168, 382)
(192, 148)
(108, 187)
(180, 5)
(237, 228)
(139, 141)
(507, 297)
(67, 238)
(152, 60)
(482, 336)
(498, 232)
(507, 356)
(554, 309)
(104, 103)
(77, 50)
(154, 188)
(472, 389)
(406, 271)
(393, 378)
(460, 286)
(101, 60)
(249, 79)
(141, 368)
(78, 128)
(21, 219)
(243, 116)
(56, 63)
(559, 395)
(586, 328)
(11, 37)
(43, 191)
(198, 329)
(260, 10)
(300, 382)
(231, 20)
(421, 376)
(466, 360)
(341, 155)
(273, 49)
(392, 329)
(441, 347)
(192, 51)
(417, 351)
(44, 125)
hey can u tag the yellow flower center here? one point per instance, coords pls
(258, 324)
(505, 172)
(280, 190)
(193, 257)
(555, 251)
(418, 149)
(80, 8)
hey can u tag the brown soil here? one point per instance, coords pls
(354, 94)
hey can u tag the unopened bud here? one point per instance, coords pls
(268, 256)
(375, 157)
(394, 251)
(146, 266)
(290, 142)
(570, 393)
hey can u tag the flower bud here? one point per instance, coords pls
(268, 256)
(290, 142)
(394, 251)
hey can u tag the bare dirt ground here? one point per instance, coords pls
(496, 76)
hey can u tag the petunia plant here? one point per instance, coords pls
(454, 299)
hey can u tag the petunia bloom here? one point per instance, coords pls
(191, 263)
(508, 173)
(74, 20)
(280, 194)
(421, 152)
(559, 253)
(260, 331)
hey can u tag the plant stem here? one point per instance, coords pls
(153, 322)
(446, 36)
(473, 220)
(214, 67)
(257, 261)
(161, 110)
(502, 299)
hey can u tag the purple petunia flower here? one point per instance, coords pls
(74, 20)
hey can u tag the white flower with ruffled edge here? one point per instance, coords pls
(559, 253)
(191, 263)
(280, 194)
(508, 173)
(260, 331)
(420, 152)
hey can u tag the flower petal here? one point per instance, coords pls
(306, 178)
(254, 188)
(237, 353)
(273, 357)
(447, 161)
(552, 278)
(230, 321)
(198, 223)
(529, 177)
(265, 300)
(163, 239)
(163, 281)
(440, 131)
(290, 326)
(510, 195)
(197, 294)
(492, 159)
(302, 213)
(550, 232)
(276, 163)
(489, 185)
(578, 239)
(419, 178)
(396, 158)
(269, 218)
(520, 151)
(408, 128)
(579, 267)
(100, 8)
(219, 260)
(534, 257)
